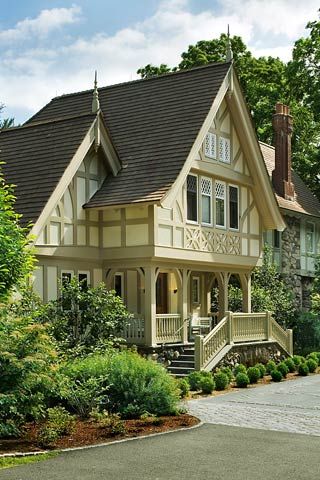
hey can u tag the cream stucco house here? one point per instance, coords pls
(159, 189)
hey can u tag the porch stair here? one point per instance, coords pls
(182, 366)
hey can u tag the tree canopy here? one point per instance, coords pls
(266, 81)
(5, 122)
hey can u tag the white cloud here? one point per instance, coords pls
(41, 26)
(30, 77)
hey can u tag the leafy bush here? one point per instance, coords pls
(228, 372)
(221, 380)
(59, 422)
(140, 382)
(253, 374)
(262, 369)
(27, 371)
(290, 364)
(282, 367)
(240, 369)
(242, 380)
(315, 356)
(116, 425)
(194, 379)
(297, 359)
(312, 365)
(306, 328)
(270, 366)
(276, 375)
(207, 384)
(303, 369)
(184, 387)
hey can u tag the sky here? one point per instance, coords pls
(52, 47)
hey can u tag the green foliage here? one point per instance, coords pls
(7, 462)
(270, 366)
(315, 356)
(194, 379)
(303, 369)
(262, 369)
(253, 374)
(242, 380)
(297, 359)
(116, 425)
(5, 122)
(207, 384)
(16, 257)
(85, 320)
(58, 423)
(282, 367)
(290, 364)
(184, 387)
(306, 329)
(240, 369)
(221, 380)
(137, 381)
(228, 372)
(312, 365)
(27, 371)
(276, 375)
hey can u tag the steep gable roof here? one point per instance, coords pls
(305, 202)
(36, 156)
(153, 124)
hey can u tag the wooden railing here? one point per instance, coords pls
(134, 330)
(237, 328)
(168, 328)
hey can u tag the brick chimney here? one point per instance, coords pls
(281, 175)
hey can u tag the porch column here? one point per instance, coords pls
(223, 281)
(246, 292)
(184, 303)
(150, 306)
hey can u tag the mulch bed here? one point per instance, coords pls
(89, 432)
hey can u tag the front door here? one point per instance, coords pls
(162, 293)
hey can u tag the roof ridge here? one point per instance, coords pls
(35, 123)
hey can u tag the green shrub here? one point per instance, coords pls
(59, 422)
(276, 375)
(140, 382)
(194, 379)
(221, 380)
(297, 359)
(253, 374)
(240, 369)
(132, 411)
(290, 364)
(312, 365)
(303, 369)
(242, 380)
(115, 425)
(207, 384)
(228, 372)
(184, 387)
(270, 366)
(262, 369)
(282, 367)
(315, 356)
(306, 329)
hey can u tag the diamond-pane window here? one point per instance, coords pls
(192, 183)
(220, 191)
(211, 145)
(206, 200)
(206, 188)
(224, 150)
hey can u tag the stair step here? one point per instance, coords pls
(175, 370)
(182, 363)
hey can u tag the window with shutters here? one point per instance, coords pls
(220, 191)
(192, 198)
(210, 145)
(206, 200)
(224, 150)
(233, 207)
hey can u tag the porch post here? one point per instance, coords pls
(223, 293)
(246, 292)
(150, 306)
(184, 303)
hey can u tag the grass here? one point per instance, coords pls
(7, 462)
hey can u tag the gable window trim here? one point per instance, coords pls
(234, 229)
(223, 199)
(206, 195)
(195, 198)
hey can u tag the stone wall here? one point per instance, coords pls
(290, 258)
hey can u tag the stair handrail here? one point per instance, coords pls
(201, 342)
(186, 320)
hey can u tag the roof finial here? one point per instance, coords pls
(95, 98)
(229, 53)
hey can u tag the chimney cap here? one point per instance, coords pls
(282, 109)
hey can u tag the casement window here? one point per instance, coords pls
(224, 150)
(66, 276)
(310, 237)
(233, 207)
(192, 198)
(119, 284)
(276, 239)
(195, 293)
(220, 190)
(206, 200)
(84, 279)
(210, 145)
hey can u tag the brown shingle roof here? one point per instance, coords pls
(36, 156)
(153, 124)
(305, 201)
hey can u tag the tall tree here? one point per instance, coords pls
(6, 122)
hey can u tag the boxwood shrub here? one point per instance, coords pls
(282, 367)
(276, 375)
(240, 369)
(253, 374)
(207, 384)
(194, 379)
(270, 366)
(312, 365)
(242, 380)
(303, 369)
(290, 364)
(262, 369)
(221, 380)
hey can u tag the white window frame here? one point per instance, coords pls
(193, 222)
(313, 251)
(225, 204)
(223, 141)
(206, 195)
(121, 275)
(195, 281)
(212, 150)
(238, 200)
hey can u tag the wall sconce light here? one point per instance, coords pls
(175, 290)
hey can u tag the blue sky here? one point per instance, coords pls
(51, 47)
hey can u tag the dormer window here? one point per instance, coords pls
(211, 145)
